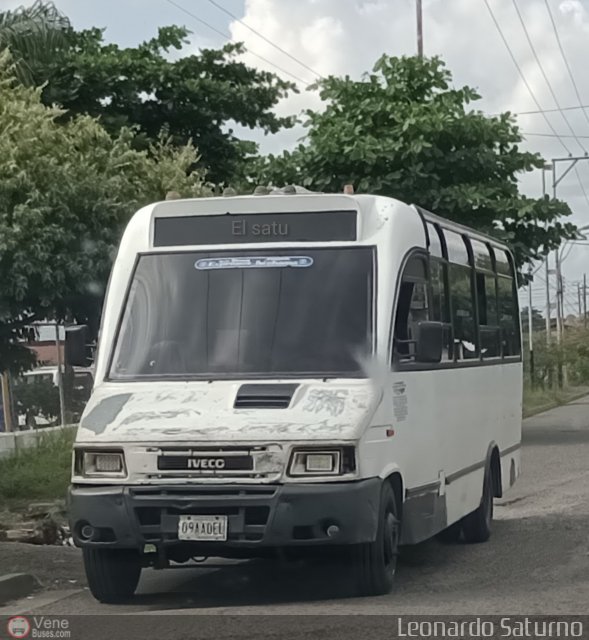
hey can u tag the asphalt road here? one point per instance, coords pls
(537, 561)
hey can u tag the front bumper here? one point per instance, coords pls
(258, 515)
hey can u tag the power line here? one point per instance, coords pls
(263, 37)
(541, 111)
(228, 37)
(523, 77)
(543, 72)
(552, 135)
(566, 62)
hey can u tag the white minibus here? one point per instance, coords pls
(299, 372)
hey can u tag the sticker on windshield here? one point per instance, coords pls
(254, 262)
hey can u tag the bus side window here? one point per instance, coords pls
(508, 317)
(507, 304)
(440, 304)
(486, 292)
(488, 318)
(465, 334)
(412, 307)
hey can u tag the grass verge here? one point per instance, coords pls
(538, 400)
(40, 472)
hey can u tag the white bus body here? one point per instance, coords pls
(304, 371)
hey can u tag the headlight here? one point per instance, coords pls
(322, 462)
(98, 464)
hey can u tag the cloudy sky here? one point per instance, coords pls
(346, 36)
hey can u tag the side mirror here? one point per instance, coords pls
(429, 342)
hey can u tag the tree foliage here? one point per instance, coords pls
(32, 34)
(572, 352)
(538, 321)
(37, 398)
(404, 131)
(66, 191)
(195, 97)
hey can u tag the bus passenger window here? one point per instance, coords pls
(465, 335)
(439, 308)
(508, 317)
(488, 320)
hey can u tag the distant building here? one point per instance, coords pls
(45, 347)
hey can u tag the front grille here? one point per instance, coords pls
(206, 462)
(233, 461)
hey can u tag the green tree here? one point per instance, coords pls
(195, 97)
(66, 191)
(36, 397)
(404, 131)
(32, 34)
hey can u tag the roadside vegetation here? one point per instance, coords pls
(561, 372)
(37, 473)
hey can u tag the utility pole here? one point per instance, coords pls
(585, 300)
(530, 327)
(60, 376)
(6, 402)
(559, 296)
(570, 163)
(419, 28)
(545, 168)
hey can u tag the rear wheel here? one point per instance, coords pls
(476, 526)
(375, 563)
(113, 574)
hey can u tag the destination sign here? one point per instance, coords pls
(313, 226)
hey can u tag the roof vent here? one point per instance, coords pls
(264, 396)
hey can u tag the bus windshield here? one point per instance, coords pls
(234, 314)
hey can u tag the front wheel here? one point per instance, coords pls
(375, 563)
(476, 526)
(113, 574)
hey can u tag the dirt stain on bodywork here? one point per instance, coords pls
(330, 401)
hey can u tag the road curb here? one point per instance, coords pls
(17, 585)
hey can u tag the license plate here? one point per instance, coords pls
(202, 528)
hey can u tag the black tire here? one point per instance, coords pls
(375, 563)
(450, 535)
(476, 526)
(113, 574)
